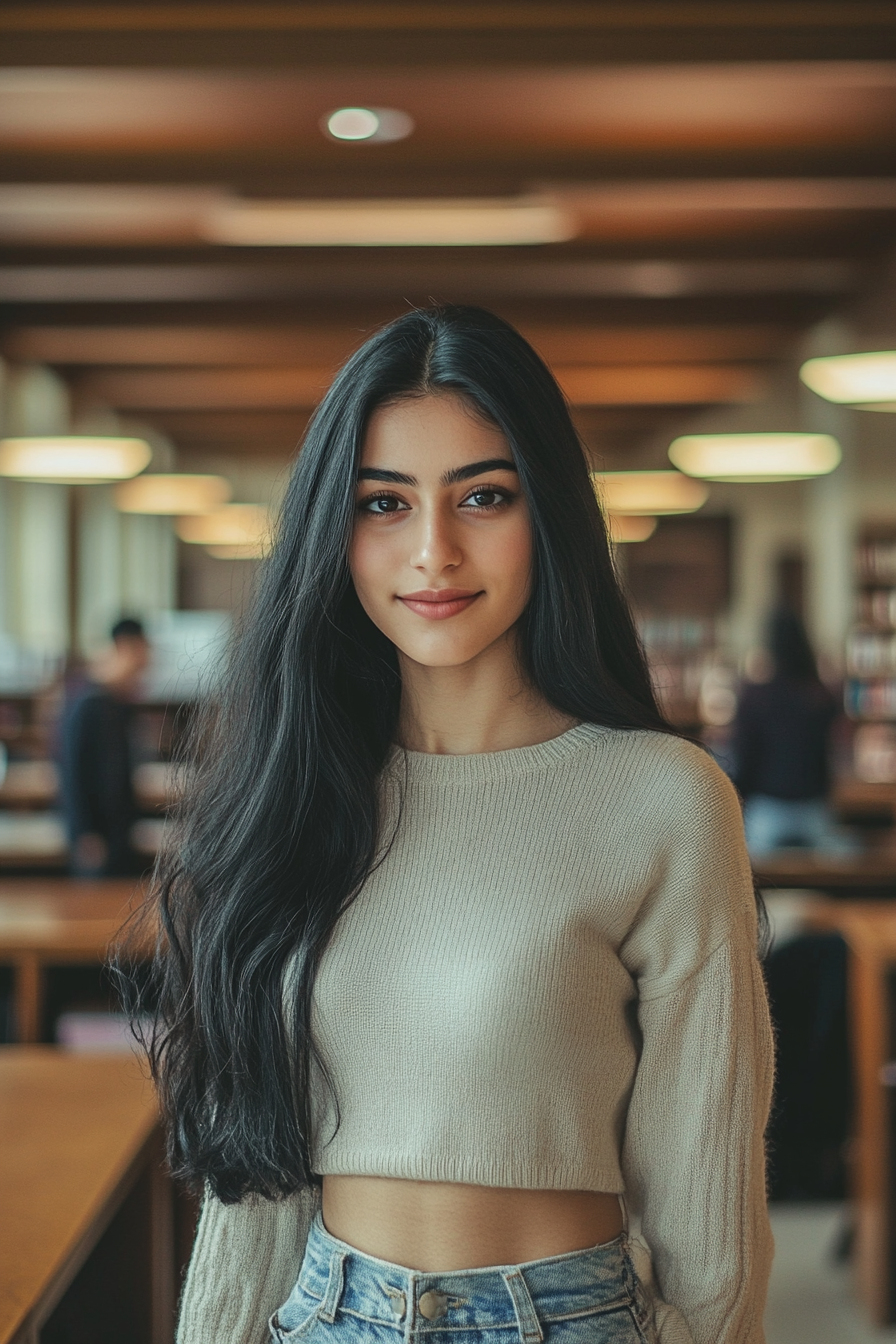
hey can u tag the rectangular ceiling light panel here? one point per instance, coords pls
(408, 223)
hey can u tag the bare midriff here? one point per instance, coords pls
(435, 1227)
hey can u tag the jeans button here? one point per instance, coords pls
(398, 1302)
(433, 1305)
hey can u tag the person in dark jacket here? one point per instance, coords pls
(97, 789)
(781, 748)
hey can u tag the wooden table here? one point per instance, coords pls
(85, 1207)
(869, 928)
(859, 799)
(56, 922)
(871, 874)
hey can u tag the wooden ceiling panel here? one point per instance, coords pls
(673, 107)
(612, 434)
(432, 33)
(658, 384)
(663, 212)
(209, 389)
(302, 387)
(256, 433)
(464, 277)
(247, 346)
(181, 345)
(729, 166)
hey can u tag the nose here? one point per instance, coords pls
(436, 546)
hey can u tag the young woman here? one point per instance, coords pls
(460, 937)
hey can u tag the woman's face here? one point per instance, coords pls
(441, 554)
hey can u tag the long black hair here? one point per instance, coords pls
(279, 828)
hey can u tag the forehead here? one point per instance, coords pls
(430, 429)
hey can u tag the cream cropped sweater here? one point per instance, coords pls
(550, 982)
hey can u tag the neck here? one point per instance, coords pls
(484, 705)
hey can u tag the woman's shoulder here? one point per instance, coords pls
(671, 783)
(664, 758)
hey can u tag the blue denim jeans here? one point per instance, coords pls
(586, 1297)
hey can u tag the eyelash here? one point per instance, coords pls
(505, 497)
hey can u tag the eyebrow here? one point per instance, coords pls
(452, 477)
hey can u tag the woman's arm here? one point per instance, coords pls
(246, 1259)
(694, 1155)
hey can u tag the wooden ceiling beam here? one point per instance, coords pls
(471, 277)
(611, 433)
(664, 212)
(209, 389)
(659, 384)
(480, 170)
(302, 387)
(485, 110)
(248, 345)
(352, 16)
(233, 429)
(313, 35)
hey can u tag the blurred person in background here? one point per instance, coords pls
(97, 788)
(781, 754)
(781, 748)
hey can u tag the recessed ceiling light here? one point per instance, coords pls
(452, 222)
(368, 123)
(245, 526)
(71, 459)
(648, 492)
(624, 527)
(866, 381)
(172, 493)
(755, 457)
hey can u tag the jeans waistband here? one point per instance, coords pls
(581, 1283)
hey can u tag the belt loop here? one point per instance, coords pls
(524, 1308)
(333, 1295)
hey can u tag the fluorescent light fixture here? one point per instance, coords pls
(505, 221)
(368, 123)
(648, 492)
(867, 382)
(626, 527)
(755, 457)
(172, 493)
(73, 459)
(247, 526)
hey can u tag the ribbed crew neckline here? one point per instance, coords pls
(480, 765)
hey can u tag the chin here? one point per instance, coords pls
(439, 657)
(448, 652)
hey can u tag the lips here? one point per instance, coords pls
(437, 604)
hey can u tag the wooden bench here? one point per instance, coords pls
(867, 875)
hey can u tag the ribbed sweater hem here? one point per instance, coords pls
(469, 1171)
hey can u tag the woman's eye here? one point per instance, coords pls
(487, 499)
(381, 504)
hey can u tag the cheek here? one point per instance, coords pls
(510, 558)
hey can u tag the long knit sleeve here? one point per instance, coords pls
(693, 1157)
(246, 1258)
